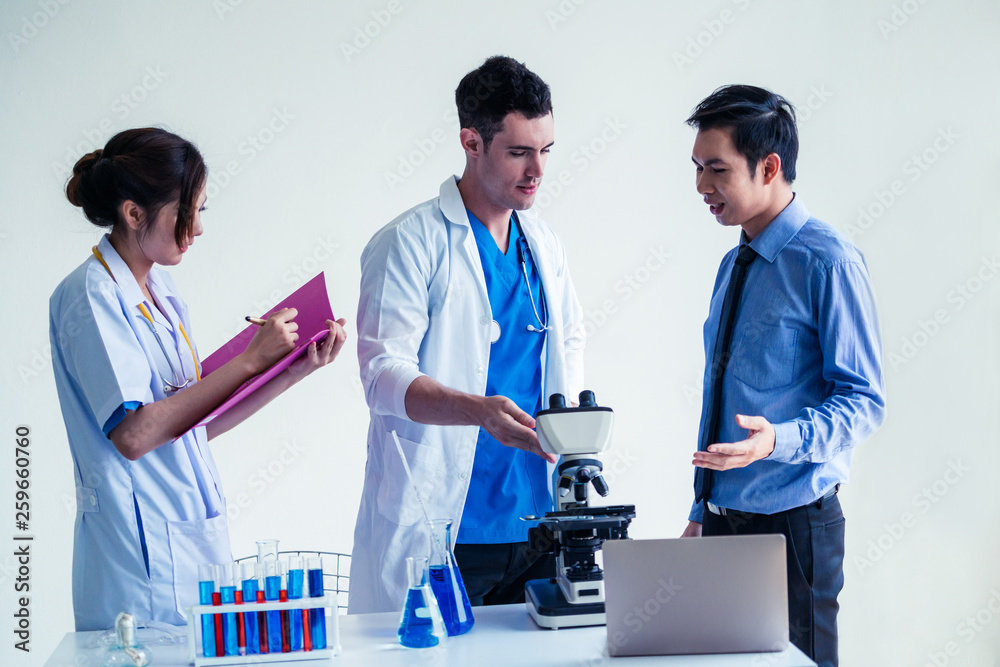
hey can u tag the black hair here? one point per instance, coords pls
(760, 122)
(149, 166)
(499, 86)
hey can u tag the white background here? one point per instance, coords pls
(333, 112)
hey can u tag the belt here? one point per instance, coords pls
(722, 511)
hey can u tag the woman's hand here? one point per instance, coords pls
(319, 355)
(273, 340)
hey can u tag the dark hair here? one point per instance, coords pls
(149, 166)
(761, 123)
(499, 86)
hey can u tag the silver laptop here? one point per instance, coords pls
(696, 595)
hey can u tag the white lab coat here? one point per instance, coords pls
(103, 355)
(424, 310)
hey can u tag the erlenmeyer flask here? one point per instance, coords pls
(420, 625)
(446, 580)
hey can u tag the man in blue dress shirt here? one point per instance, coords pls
(793, 376)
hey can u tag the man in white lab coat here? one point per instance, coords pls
(467, 322)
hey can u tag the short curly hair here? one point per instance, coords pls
(499, 86)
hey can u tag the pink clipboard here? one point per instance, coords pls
(313, 304)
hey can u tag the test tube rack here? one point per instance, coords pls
(195, 654)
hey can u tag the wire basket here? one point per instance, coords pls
(336, 573)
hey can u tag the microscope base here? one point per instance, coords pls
(550, 609)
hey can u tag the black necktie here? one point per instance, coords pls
(720, 357)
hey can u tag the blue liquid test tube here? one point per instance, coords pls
(206, 586)
(250, 575)
(317, 617)
(272, 592)
(227, 591)
(296, 576)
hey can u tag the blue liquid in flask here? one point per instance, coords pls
(416, 629)
(452, 599)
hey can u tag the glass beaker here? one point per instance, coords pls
(446, 580)
(266, 550)
(420, 625)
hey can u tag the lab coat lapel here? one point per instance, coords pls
(453, 210)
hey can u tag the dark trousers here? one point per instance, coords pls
(814, 537)
(496, 573)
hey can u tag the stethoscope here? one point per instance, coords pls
(523, 254)
(179, 379)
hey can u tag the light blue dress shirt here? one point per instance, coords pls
(806, 355)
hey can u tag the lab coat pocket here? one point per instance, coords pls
(193, 543)
(397, 498)
(764, 357)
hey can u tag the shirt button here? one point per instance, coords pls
(479, 370)
(93, 500)
(484, 320)
(463, 475)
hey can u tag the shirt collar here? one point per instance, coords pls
(780, 231)
(120, 272)
(452, 206)
(162, 288)
(126, 280)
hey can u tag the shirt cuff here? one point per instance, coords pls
(118, 415)
(697, 513)
(390, 390)
(787, 442)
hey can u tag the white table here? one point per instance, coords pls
(503, 635)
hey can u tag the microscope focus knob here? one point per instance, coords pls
(587, 399)
(557, 402)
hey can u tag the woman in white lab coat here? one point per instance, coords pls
(149, 502)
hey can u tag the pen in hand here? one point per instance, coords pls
(256, 320)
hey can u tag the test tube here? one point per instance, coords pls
(227, 591)
(296, 576)
(317, 617)
(250, 588)
(241, 635)
(283, 596)
(272, 593)
(261, 615)
(206, 586)
(220, 647)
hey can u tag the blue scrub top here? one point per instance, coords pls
(508, 483)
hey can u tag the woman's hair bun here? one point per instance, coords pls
(82, 165)
(147, 166)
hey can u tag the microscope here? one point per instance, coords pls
(574, 532)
